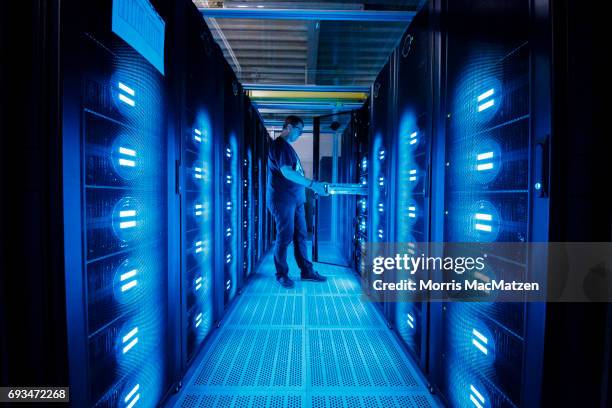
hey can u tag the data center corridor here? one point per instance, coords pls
(140, 150)
(316, 345)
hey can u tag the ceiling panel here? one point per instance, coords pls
(307, 52)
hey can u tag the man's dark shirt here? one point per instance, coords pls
(281, 189)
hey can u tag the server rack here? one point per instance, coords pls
(380, 178)
(201, 130)
(413, 151)
(362, 129)
(116, 196)
(267, 220)
(259, 191)
(259, 201)
(348, 173)
(248, 222)
(233, 134)
(482, 354)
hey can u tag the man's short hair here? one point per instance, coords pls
(293, 121)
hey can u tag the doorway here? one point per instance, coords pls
(333, 217)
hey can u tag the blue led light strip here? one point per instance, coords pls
(130, 340)
(484, 221)
(485, 100)
(132, 397)
(476, 397)
(130, 280)
(410, 320)
(480, 341)
(484, 162)
(124, 91)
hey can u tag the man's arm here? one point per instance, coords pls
(296, 177)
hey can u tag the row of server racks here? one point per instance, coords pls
(159, 174)
(459, 143)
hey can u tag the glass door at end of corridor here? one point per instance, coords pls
(334, 215)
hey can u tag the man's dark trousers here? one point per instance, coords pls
(290, 226)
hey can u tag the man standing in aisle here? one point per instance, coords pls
(286, 196)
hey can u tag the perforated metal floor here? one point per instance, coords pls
(317, 345)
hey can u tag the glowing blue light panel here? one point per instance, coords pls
(484, 161)
(476, 397)
(129, 280)
(129, 162)
(480, 341)
(129, 219)
(197, 135)
(483, 222)
(197, 172)
(132, 397)
(198, 210)
(485, 100)
(130, 340)
(124, 91)
(411, 248)
(412, 175)
(410, 320)
(413, 138)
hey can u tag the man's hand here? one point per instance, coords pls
(292, 175)
(319, 188)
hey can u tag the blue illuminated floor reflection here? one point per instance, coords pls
(316, 345)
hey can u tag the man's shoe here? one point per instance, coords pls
(284, 281)
(314, 276)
